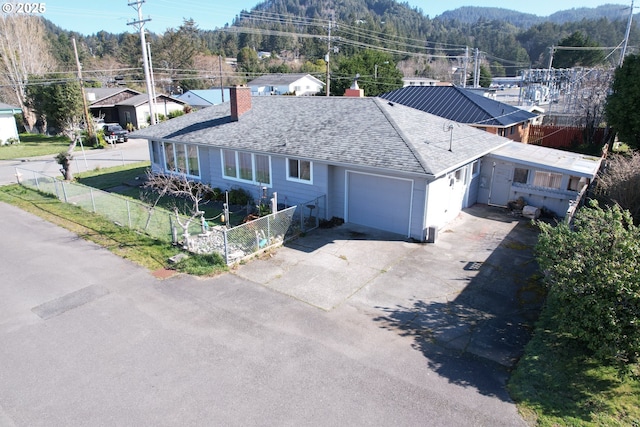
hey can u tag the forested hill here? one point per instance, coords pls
(510, 38)
(473, 14)
(296, 33)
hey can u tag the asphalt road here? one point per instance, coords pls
(134, 150)
(91, 339)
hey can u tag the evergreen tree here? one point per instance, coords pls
(623, 103)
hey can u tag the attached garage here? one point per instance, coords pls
(378, 201)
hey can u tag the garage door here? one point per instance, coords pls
(379, 202)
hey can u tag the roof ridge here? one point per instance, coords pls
(469, 95)
(507, 109)
(378, 103)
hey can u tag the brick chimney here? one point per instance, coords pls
(240, 101)
(354, 91)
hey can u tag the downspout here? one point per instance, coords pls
(493, 171)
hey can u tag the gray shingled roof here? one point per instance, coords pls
(351, 131)
(136, 101)
(460, 105)
(278, 79)
(106, 92)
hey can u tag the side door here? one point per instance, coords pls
(500, 189)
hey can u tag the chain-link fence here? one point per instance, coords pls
(240, 242)
(234, 244)
(156, 222)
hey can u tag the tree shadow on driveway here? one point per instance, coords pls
(474, 335)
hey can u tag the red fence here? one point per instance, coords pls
(562, 136)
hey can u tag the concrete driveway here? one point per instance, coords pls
(474, 291)
(341, 327)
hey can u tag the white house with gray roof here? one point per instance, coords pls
(287, 83)
(378, 164)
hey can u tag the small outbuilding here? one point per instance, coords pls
(543, 177)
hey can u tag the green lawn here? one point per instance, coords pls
(32, 145)
(112, 179)
(137, 247)
(104, 179)
(556, 383)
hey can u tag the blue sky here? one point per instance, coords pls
(89, 17)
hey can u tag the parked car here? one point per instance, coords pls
(115, 131)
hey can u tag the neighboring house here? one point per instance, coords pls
(464, 106)
(8, 127)
(378, 164)
(103, 103)
(543, 177)
(280, 84)
(135, 110)
(419, 81)
(204, 98)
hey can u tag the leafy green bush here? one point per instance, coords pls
(239, 196)
(593, 275)
(176, 113)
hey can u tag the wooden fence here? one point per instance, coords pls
(562, 136)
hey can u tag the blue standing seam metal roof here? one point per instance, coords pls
(459, 105)
(366, 132)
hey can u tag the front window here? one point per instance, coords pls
(547, 179)
(182, 158)
(245, 166)
(299, 170)
(170, 160)
(229, 163)
(242, 166)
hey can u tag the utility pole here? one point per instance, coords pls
(87, 119)
(466, 61)
(626, 36)
(476, 69)
(221, 86)
(327, 57)
(139, 25)
(153, 82)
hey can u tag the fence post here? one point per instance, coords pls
(129, 213)
(93, 202)
(55, 185)
(226, 246)
(64, 192)
(269, 226)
